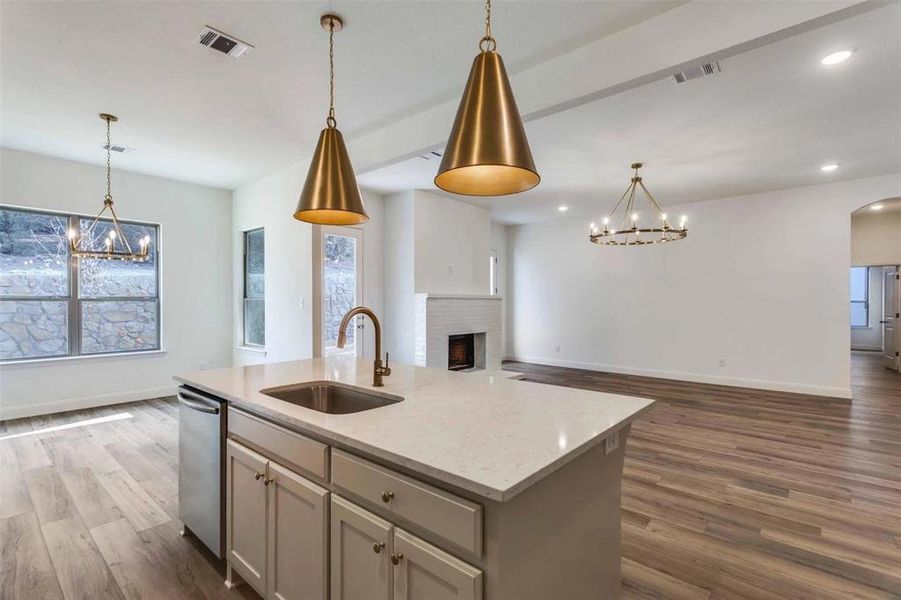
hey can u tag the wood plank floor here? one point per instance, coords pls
(728, 493)
(88, 509)
(737, 493)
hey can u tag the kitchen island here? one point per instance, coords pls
(464, 485)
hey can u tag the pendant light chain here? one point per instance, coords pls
(487, 43)
(330, 121)
(109, 182)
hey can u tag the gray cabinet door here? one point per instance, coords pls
(423, 572)
(298, 537)
(246, 518)
(361, 549)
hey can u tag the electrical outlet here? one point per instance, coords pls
(611, 443)
(722, 362)
(203, 365)
(557, 348)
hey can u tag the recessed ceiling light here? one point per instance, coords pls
(829, 167)
(837, 57)
(877, 207)
(563, 208)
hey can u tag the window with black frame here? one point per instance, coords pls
(52, 305)
(254, 288)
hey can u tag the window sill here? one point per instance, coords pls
(252, 349)
(86, 357)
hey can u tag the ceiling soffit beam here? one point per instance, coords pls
(627, 59)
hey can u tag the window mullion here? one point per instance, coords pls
(74, 302)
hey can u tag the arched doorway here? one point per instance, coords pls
(875, 288)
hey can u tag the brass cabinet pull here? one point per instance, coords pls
(387, 496)
(397, 557)
(268, 480)
(257, 476)
(377, 547)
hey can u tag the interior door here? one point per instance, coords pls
(340, 288)
(891, 298)
(298, 537)
(246, 519)
(361, 548)
(424, 572)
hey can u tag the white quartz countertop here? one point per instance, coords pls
(483, 433)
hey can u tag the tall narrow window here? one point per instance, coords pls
(254, 288)
(52, 305)
(492, 273)
(860, 301)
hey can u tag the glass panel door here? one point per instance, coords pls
(341, 288)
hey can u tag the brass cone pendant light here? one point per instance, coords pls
(330, 194)
(487, 153)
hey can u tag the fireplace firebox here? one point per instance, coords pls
(461, 353)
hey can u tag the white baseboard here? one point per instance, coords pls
(762, 384)
(55, 406)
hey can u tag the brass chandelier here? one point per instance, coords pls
(629, 233)
(115, 244)
(330, 194)
(487, 153)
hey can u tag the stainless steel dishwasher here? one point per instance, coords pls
(201, 467)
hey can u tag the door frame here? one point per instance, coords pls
(319, 233)
(890, 321)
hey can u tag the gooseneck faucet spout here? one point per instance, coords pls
(379, 371)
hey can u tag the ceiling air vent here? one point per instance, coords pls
(117, 148)
(710, 68)
(430, 155)
(223, 42)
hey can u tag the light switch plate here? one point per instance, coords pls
(611, 443)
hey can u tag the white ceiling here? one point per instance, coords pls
(196, 115)
(768, 121)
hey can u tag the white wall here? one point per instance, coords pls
(498, 244)
(772, 301)
(270, 203)
(876, 239)
(195, 225)
(435, 245)
(451, 245)
(399, 270)
(870, 337)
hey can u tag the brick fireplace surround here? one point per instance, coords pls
(439, 316)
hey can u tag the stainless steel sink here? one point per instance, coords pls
(328, 397)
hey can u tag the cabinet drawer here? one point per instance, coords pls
(455, 519)
(287, 447)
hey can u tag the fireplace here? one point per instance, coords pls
(461, 352)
